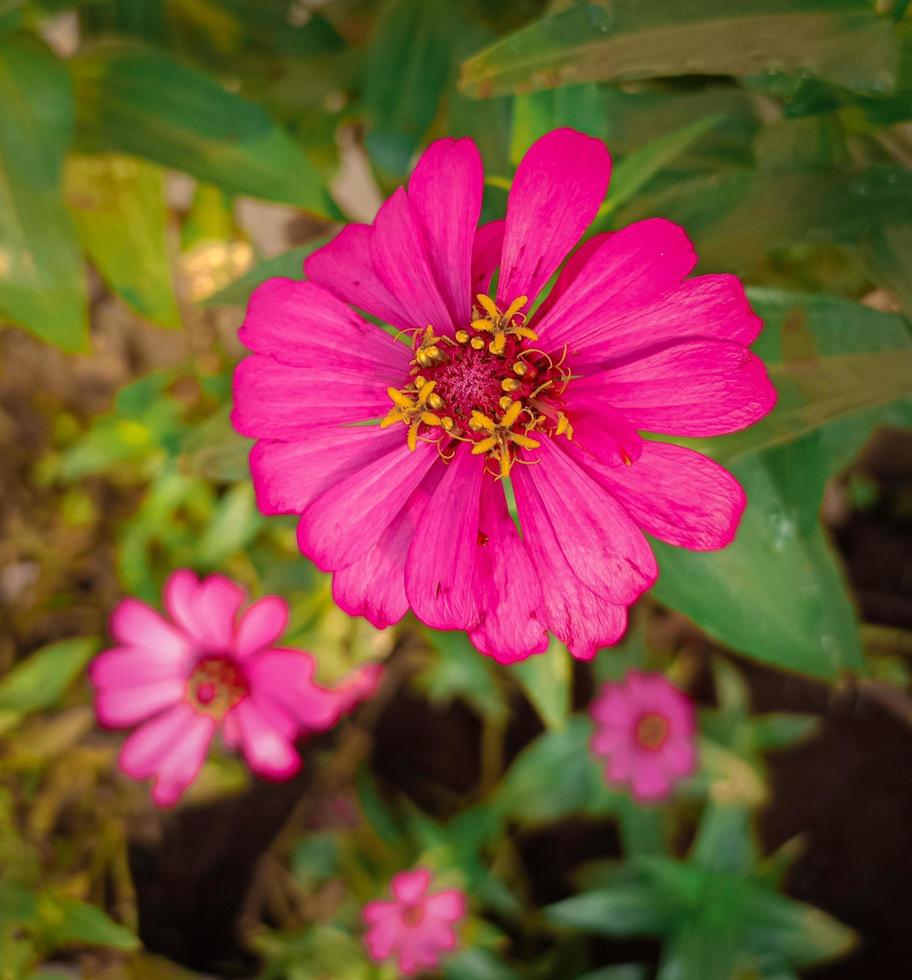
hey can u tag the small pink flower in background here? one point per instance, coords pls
(417, 927)
(210, 669)
(645, 730)
(412, 513)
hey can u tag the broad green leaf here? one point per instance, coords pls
(724, 839)
(407, 69)
(40, 680)
(42, 286)
(137, 100)
(841, 40)
(828, 358)
(775, 593)
(65, 921)
(700, 950)
(546, 680)
(289, 265)
(119, 206)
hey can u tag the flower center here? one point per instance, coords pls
(413, 915)
(216, 685)
(652, 731)
(487, 385)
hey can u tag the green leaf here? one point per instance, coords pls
(407, 69)
(636, 169)
(631, 906)
(799, 934)
(780, 729)
(546, 680)
(460, 671)
(625, 971)
(42, 286)
(137, 100)
(775, 593)
(477, 964)
(65, 921)
(581, 107)
(700, 950)
(288, 265)
(119, 206)
(724, 839)
(233, 525)
(841, 40)
(556, 776)
(40, 680)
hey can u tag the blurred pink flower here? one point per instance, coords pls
(412, 513)
(645, 730)
(210, 668)
(417, 927)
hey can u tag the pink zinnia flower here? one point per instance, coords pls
(645, 729)
(211, 669)
(412, 513)
(417, 927)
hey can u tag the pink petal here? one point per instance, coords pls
(573, 612)
(621, 764)
(349, 518)
(702, 388)
(385, 929)
(287, 476)
(360, 685)
(285, 678)
(629, 269)
(345, 267)
(649, 781)
(206, 610)
(120, 707)
(276, 401)
(512, 626)
(409, 886)
(450, 906)
(401, 258)
(304, 325)
(679, 756)
(556, 193)
(440, 570)
(445, 192)
(705, 307)
(132, 667)
(599, 540)
(575, 264)
(261, 625)
(374, 585)
(612, 708)
(678, 495)
(266, 747)
(172, 748)
(486, 255)
(135, 624)
(603, 438)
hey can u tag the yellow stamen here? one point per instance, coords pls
(564, 428)
(509, 384)
(490, 307)
(462, 336)
(524, 441)
(484, 445)
(511, 415)
(480, 421)
(477, 343)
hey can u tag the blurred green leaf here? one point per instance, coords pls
(65, 921)
(841, 40)
(581, 107)
(137, 100)
(780, 729)
(555, 776)
(459, 671)
(626, 971)
(630, 906)
(119, 206)
(231, 527)
(724, 839)
(477, 964)
(407, 69)
(40, 680)
(42, 285)
(546, 679)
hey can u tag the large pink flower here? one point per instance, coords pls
(645, 730)
(210, 668)
(412, 513)
(417, 927)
